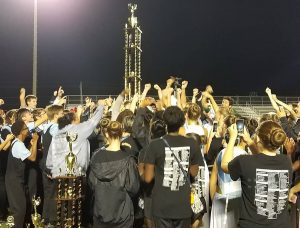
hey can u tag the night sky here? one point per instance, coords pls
(238, 46)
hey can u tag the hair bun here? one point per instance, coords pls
(277, 137)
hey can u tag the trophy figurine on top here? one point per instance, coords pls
(70, 158)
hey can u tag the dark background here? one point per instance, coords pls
(238, 46)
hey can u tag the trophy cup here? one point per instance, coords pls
(70, 159)
(36, 217)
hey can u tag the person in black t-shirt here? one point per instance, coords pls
(171, 203)
(157, 129)
(265, 177)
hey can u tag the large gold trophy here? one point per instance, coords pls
(69, 190)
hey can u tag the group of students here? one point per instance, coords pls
(170, 162)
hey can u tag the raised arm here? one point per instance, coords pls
(195, 93)
(273, 102)
(213, 181)
(159, 93)
(145, 91)
(22, 98)
(286, 106)
(214, 104)
(4, 146)
(183, 93)
(178, 97)
(115, 110)
(228, 154)
(134, 102)
(33, 148)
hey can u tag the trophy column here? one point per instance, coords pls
(69, 193)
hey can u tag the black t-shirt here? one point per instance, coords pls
(104, 155)
(133, 145)
(171, 191)
(265, 184)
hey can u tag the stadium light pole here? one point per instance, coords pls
(34, 60)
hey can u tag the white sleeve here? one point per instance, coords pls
(20, 151)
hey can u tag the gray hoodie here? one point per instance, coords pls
(59, 147)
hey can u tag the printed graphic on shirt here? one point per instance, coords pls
(197, 187)
(199, 183)
(173, 176)
(271, 192)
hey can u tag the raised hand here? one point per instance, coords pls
(101, 102)
(209, 89)
(184, 84)
(290, 146)
(22, 91)
(281, 113)
(10, 137)
(35, 136)
(147, 86)
(246, 137)
(156, 87)
(232, 130)
(195, 92)
(292, 196)
(268, 91)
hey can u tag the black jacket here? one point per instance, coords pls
(292, 132)
(113, 184)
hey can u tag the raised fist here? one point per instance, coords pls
(184, 84)
(22, 90)
(147, 86)
(157, 87)
(268, 90)
(195, 92)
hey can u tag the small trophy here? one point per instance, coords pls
(36, 217)
(132, 20)
(70, 159)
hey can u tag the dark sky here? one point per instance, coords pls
(238, 46)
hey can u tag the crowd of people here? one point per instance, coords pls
(173, 161)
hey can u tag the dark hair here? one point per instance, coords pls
(174, 118)
(37, 112)
(230, 99)
(158, 129)
(271, 135)
(1, 120)
(123, 114)
(194, 112)
(65, 120)
(10, 116)
(17, 127)
(53, 110)
(114, 130)
(127, 123)
(30, 97)
(252, 124)
(158, 115)
(268, 116)
(229, 120)
(21, 112)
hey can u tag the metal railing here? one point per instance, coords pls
(238, 100)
